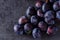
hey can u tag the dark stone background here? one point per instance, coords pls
(10, 12)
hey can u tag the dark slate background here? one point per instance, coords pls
(10, 12)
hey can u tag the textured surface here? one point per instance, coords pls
(10, 12)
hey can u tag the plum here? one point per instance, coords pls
(45, 7)
(22, 20)
(30, 11)
(56, 6)
(18, 29)
(49, 17)
(36, 33)
(34, 20)
(51, 30)
(38, 5)
(58, 15)
(28, 28)
(40, 13)
(42, 25)
(49, 14)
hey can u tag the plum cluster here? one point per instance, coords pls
(39, 19)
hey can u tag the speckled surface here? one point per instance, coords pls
(10, 12)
